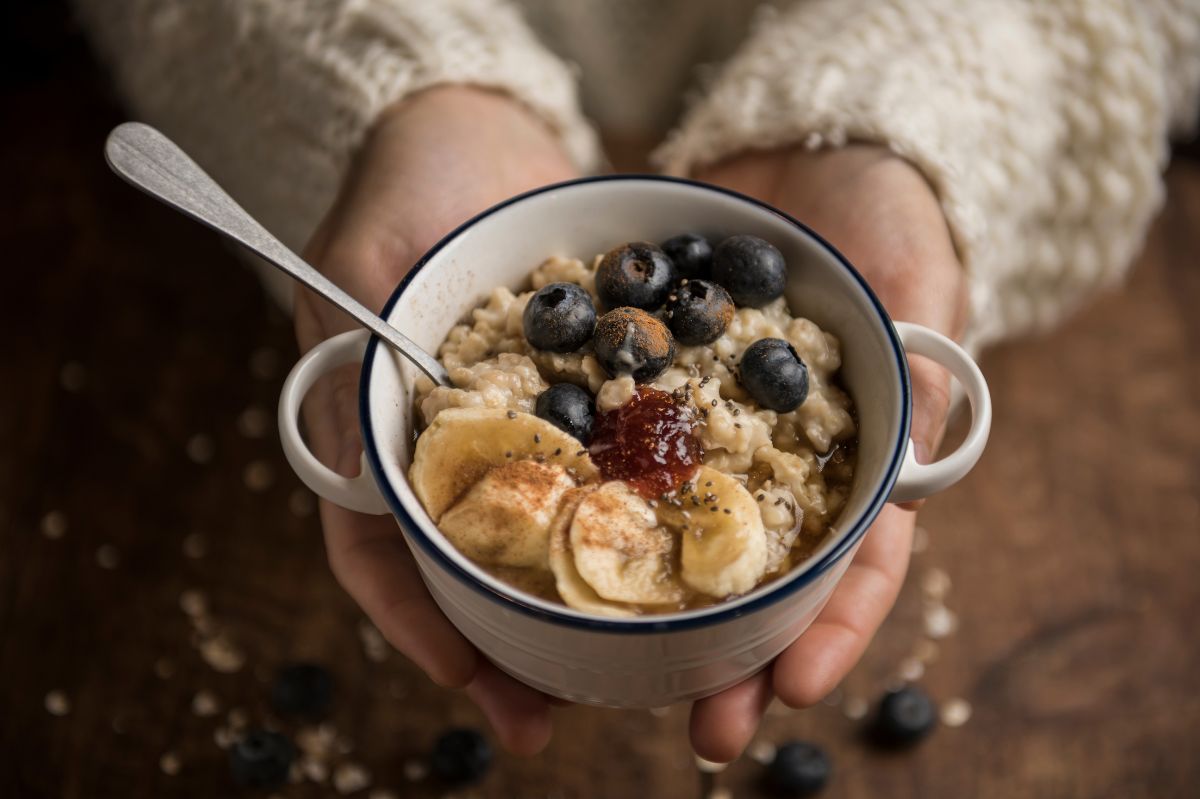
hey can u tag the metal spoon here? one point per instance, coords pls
(153, 163)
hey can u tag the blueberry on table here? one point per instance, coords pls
(905, 716)
(637, 274)
(629, 341)
(461, 756)
(560, 317)
(261, 759)
(799, 769)
(752, 269)
(569, 408)
(774, 375)
(302, 689)
(699, 312)
(691, 254)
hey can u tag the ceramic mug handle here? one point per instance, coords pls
(356, 493)
(920, 480)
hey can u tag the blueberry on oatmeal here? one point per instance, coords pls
(698, 312)
(752, 269)
(629, 341)
(569, 408)
(637, 274)
(560, 317)
(691, 254)
(774, 375)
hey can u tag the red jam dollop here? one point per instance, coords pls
(649, 442)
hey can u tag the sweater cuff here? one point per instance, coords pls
(1040, 129)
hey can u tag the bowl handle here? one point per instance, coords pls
(357, 493)
(919, 480)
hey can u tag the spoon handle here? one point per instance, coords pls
(153, 163)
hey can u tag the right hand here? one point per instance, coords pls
(431, 162)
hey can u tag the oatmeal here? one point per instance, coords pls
(683, 436)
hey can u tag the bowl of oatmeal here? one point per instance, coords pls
(674, 412)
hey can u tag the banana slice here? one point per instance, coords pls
(504, 519)
(621, 551)
(724, 551)
(571, 587)
(464, 444)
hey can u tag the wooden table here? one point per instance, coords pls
(138, 462)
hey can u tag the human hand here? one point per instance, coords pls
(432, 162)
(882, 215)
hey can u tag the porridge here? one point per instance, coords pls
(650, 432)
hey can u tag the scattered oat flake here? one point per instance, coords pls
(911, 669)
(313, 769)
(925, 650)
(169, 763)
(316, 741)
(855, 708)
(920, 541)
(258, 476)
(935, 584)
(57, 703)
(940, 621)
(237, 718)
(415, 770)
(72, 376)
(350, 777)
(163, 668)
(660, 712)
(223, 736)
(956, 712)
(264, 363)
(720, 793)
(221, 654)
(200, 448)
(54, 524)
(253, 422)
(374, 644)
(204, 704)
(195, 546)
(108, 557)
(302, 503)
(708, 766)
(194, 603)
(762, 752)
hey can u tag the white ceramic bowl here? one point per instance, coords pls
(658, 660)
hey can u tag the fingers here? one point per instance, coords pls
(722, 725)
(930, 407)
(813, 666)
(519, 715)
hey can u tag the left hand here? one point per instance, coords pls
(884, 217)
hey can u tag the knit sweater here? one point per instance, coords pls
(1043, 126)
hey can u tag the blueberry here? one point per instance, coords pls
(774, 374)
(905, 716)
(302, 689)
(691, 254)
(699, 312)
(752, 269)
(799, 769)
(560, 317)
(638, 275)
(629, 341)
(261, 759)
(569, 408)
(461, 756)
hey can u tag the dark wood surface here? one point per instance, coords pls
(1073, 548)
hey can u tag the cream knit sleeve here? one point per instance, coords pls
(273, 96)
(1042, 125)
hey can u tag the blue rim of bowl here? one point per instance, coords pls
(653, 624)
